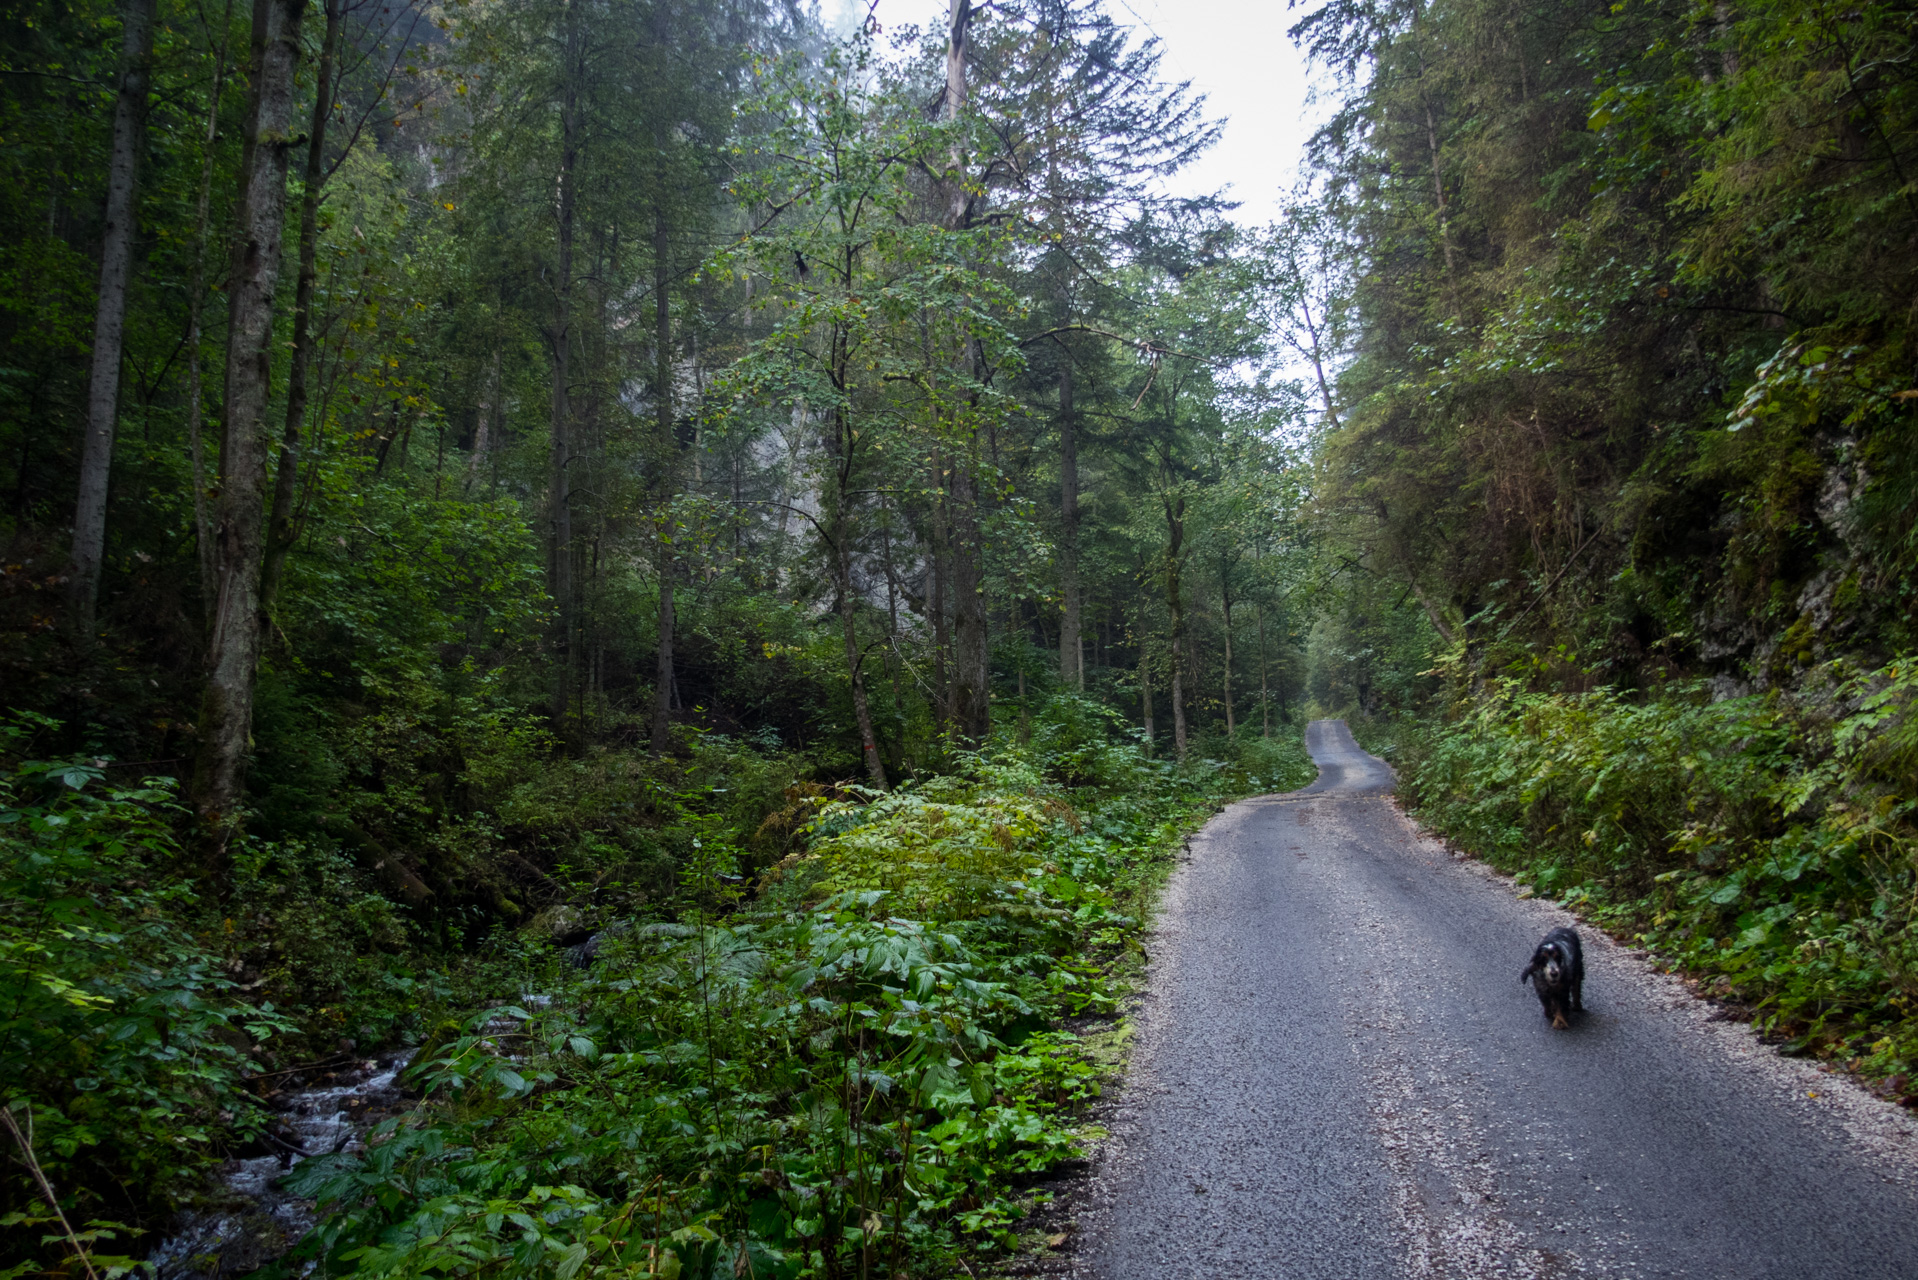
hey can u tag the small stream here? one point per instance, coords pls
(321, 1111)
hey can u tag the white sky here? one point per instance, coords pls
(1236, 53)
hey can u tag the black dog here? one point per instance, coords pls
(1557, 973)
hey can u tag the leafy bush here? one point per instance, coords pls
(123, 1041)
(1767, 844)
(853, 1072)
(1277, 763)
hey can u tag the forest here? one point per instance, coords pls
(682, 569)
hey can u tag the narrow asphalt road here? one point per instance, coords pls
(1337, 1075)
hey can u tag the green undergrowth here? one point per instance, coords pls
(1767, 846)
(123, 1038)
(860, 1068)
(827, 1031)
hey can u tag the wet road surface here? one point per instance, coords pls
(1336, 1074)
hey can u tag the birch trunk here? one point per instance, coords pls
(1432, 613)
(233, 647)
(110, 313)
(1145, 687)
(1438, 189)
(482, 430)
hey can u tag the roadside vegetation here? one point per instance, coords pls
(860, 1069)
(846, 1035)
(1761, 846)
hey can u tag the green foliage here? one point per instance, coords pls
(1766, 844)
(1627, 418)
(1631, 328)
(851, 1069)
(790, 352)
(1275, 763)
(124, 1042)
(860, 1059)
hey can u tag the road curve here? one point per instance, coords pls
(1337, 1075)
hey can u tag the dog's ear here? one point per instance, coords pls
(1526, 976)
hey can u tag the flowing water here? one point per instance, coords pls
(320, 1112)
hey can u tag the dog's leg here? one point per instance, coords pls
(1578, 995)
(1559, 1023)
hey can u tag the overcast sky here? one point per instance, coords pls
(1236, 53)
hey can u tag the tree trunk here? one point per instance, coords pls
(663, 654)
(1072, 667)
(1317, 354)
(892, 625)
(861, 706)
(667, 448)
(936, 600)
(282, 528)
(559, 481)
(958, 47)
(1145, 686)
(482, 430)
(840, 447)
(971, 671)
(1265, 696)
(1231, 725)
(1444, 210)
(1175, 539)
(233, 647)
(1438, 190)
(196, 301)
(971, 688)
(110, 313)
(1431, 610)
